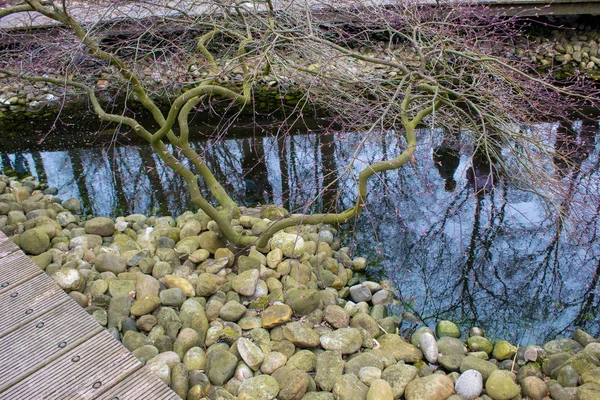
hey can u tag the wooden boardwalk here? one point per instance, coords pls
(51, 348)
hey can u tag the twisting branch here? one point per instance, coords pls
(394, 68)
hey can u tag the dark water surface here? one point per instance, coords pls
(501, 261)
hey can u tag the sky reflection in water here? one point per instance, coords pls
(499, 260)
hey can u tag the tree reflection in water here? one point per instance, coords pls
(496, 258)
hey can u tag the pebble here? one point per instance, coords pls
(469, 384)
(429, 347)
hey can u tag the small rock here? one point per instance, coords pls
(250, 353)
(349, 387)
(107, 262)
(259, 387)
(329, 368)
(232, 311)
(380, 390)
(304, 360)
(100, 226)
(134, 340)
(534, 388)
(432, 387)
(273, 361)
(245, 283)
(345, 340)
(396, 346)
(469, 384)
(195, 359)
(360, 293)
(336, 316)
(501, 385)
(429, 347)
(291, 245)
(447, 328)
(172, 297)
(210, 241)
(301, 335)
(145, 353)
(484, 367)
(186, 339)
(503, 350)
(145, 305)
(220, 366)
(398, 376)
(69, 279)
(368, 375)
(34, 241)
(186, 287)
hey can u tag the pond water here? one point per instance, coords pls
(500, 260)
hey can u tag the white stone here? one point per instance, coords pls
(429, 347)
(469, 384)
(121, 226)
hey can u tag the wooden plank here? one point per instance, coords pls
(15, 269)
(141, 385)
(6, 246)
(27, 301)
(42, 340)
(86, 371)
(50, 348)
